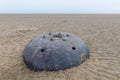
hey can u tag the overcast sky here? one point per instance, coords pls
(60, 6)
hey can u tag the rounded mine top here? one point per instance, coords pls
(55, 51)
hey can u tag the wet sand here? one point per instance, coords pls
(100, 32)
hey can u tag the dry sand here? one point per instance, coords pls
(100, 32)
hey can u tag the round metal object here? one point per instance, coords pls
(55, 51)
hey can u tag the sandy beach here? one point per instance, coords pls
(100, 32)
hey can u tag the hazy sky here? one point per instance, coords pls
(60, 6)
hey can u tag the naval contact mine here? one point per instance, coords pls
(55, 51)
